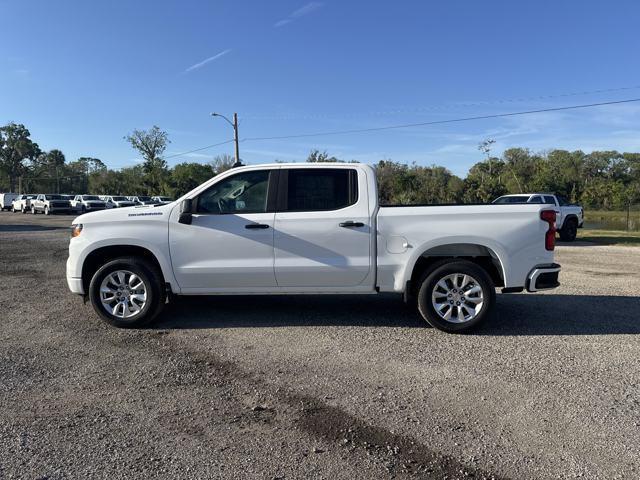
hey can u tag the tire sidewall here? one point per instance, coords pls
(431, 278)
(146, 274)
(570, 231)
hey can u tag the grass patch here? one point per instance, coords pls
(609, 237)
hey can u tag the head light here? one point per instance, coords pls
(76, 230)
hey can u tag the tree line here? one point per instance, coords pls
(598, 180)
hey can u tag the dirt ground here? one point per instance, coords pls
(320, 386)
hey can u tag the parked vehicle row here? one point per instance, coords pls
(49, 203)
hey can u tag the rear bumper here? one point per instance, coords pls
(543, 277)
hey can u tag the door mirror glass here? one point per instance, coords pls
(186, 210)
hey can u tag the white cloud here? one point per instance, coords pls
(207, 60)
(301, 12)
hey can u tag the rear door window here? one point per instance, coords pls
(317, 189)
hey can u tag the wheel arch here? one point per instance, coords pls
(101, 255)
(486, 257)
(571, 216)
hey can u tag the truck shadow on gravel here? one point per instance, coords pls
(564, 315)
(258, 311)
(515, 314)
(29, 228)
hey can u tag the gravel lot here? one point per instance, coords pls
(317, 387)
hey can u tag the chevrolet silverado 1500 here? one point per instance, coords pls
(309, 229)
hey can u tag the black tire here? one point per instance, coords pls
(13, 210)
(46, 210)
(569, 230)
(437, 272)
(83, 209)
(24, 210)
(153, 282)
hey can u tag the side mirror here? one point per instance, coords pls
(186, 210)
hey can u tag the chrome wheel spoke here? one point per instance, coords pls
(475, 300)
(457, 298)
(123, 294)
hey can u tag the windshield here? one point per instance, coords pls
(90, 197)
(53, 197)
(144, 199)
(512, 199)
(119, 199)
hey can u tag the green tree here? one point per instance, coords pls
(16, 149)
(221, 163)
(187, 176)
(316, 156)
(151, 144)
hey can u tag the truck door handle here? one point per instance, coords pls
(253, 226)
(351, 224)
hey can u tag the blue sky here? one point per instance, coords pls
(81, 74)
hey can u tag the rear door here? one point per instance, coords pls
(322, 228)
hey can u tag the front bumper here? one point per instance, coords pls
(543, 277)
(75, 285)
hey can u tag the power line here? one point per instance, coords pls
(197, 149)
(438, 107)
(440, 122)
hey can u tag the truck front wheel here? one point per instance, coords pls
(455, 296)
(127, 292)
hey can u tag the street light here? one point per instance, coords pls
(234, 124)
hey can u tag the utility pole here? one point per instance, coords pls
(234, 124)
(235, 133)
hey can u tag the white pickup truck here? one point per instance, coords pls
(22, 203)
(309, 229)
(569, 216)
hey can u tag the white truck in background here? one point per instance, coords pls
(22, 203)
(309, 229)
(117, 201)
(50, 203)
(87, 203)
(569, 216)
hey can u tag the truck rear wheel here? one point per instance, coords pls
(127, 292)
(455, 296)
(569, 230)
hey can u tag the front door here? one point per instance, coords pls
(229, 244)
(322, 228)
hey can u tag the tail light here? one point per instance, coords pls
(549, 216)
